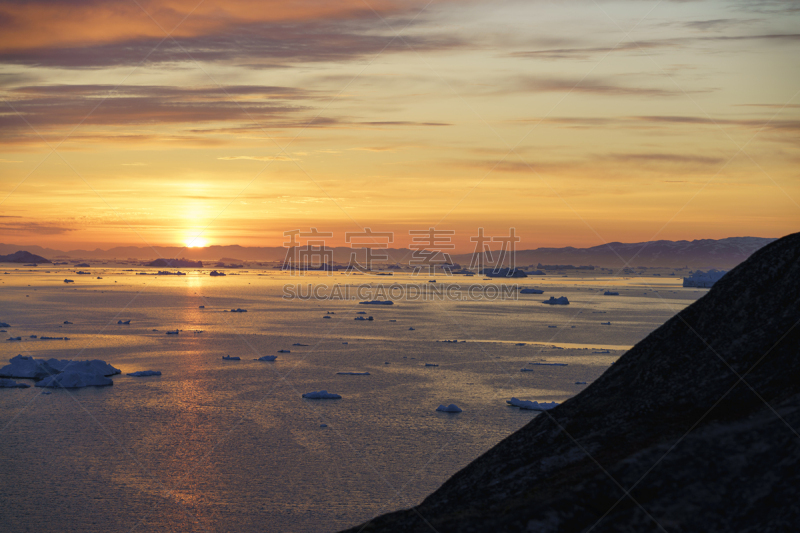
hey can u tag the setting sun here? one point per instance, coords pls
(195, 242)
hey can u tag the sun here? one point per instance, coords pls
(195, 242)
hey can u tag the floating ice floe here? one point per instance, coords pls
(563, 300)
(172, 332)
(361, 312)
(71, 379)
(238, 310)
(284, 351)
(27, 367)
(431, 364)
(299, 344)
(452, 408)
(531, 291)
(580, 383)
(11, 384)
(520, 344)
(124, 322)
(605, 323)
(145, 373)
(67, 322)
(202, 307)
(5, 325)
(321, 395)
(377, 302)
(231, 358)
(526, 370)
(353, 373)
(326, 316)
(531, 405)
(267, 358)
(611, 293)
(551, 364)
(14, 339)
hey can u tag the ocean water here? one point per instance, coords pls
(214, 445)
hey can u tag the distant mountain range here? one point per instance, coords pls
(703, 253)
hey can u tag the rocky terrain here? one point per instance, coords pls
(694, 429)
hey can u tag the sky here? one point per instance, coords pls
(575, 122)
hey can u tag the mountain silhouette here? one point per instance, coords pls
(693, 429)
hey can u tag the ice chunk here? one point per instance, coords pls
(74, 380)
(452, 408)
(563, 300)
(353, 373)
(526, 370)
(11, 384)
(14, 339)
(531, 405)
(431, 364)
(124, 322)
(95, 366)
(321, 395)
(550, 364)
(284, 351)
(580, 383)
(24, 366)
(172, 332)
(267, 358)
(145, 373)
(231, 358)
(377, 302)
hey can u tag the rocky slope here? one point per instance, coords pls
(694, 429)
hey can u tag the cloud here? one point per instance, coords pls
(594, 86)
(266, 36)
(664, 158)
(257, 158)
(38, 228)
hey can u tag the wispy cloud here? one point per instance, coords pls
(257, 158)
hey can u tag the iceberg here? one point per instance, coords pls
(95, 366)
(352, 373)
(238, 310)
(284, 351)
(551, 364)
(526, 370)
(5, 325)
(580, 383)
(124, 322)
(531, 291)
(299, 344)
(145, 373)
(377, 302)
(231, 358)
(611, 293)
(321, 395)
(172, 332)
(531, 405)
(11, 384)
(557, 301)
(431, 364)
(74, 380)
(267, 358)
(452, 408)
(26, 367)
(14, 339)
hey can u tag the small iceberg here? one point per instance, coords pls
(14, 339)
(145, 373)
(452, 408)
(526, 370)
(557, 301)
(11, 384)
(67, 322)
(175, 332)
(580, 383)
(238, 310)
(284, 351)
(361, 312)
(531, 405)
(124, 322)
(5, 325)
(377, 302)
(431, 364)
(520, 344)
(326, 316)
(611, 293)
(69, 281)
(410, 329)
(267, 358)
(27, 367)
(550, 364)
(352, 374)
(202, 307)
(299, 344)
(231, 358)
(531, 291)
(605, 323)
(321, 395)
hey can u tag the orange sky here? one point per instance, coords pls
(577, 122)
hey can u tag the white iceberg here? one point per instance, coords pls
(26, 367)
(452, 408)
(531, 405)
(145, 373)
(11, 384)
(321, 395)
(74, 380)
